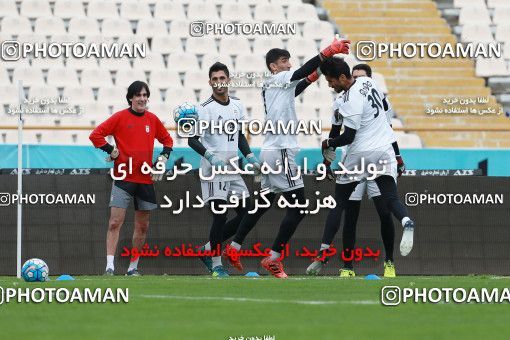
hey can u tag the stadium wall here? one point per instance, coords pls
(450, 239)
(61, 156)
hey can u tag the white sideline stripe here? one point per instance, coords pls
(235, 299)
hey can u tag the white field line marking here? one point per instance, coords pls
(236, 299)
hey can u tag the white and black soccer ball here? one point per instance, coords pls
(185, 112)
(35, 270)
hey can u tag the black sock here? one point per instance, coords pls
(216, 232)
(342, 194)
(349, 230)
(249, 220)
(388, 189)
(387, 227)
(290, 221)
(230, 228)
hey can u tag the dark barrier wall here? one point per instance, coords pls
(450, 238)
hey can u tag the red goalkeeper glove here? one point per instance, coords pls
(314, 76)
(336, 47)
(401, 167)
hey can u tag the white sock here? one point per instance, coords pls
(109, 262)
(235, 245)
(274, 255)
(216, 261)
(133, 264)
(324, 246)
(208, 246)
(404, 221)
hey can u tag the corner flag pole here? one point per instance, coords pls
(20, 173)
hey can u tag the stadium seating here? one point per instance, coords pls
(102, 9)
(134, 10)
(268, 12)
(15, 25)
(150, 28)
(83, 26)
(164, 79)
(35, 8)
(415, 84)
(202, 11)
(302, 12)
(8, 8)
(169, 10)
(236, 11)
(49, 25)
(477, 33)
(67, 9)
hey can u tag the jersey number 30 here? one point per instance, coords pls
(375, 101)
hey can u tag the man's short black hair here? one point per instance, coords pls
(218, 67)
(363, 67)
(274, 54)
(334, 67)
(135, 88)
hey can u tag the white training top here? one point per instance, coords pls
(278, 93)
(361, 108)
(223, 145)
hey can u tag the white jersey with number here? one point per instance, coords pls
(361, 108)
(224, 145)
(337, 119)
(278, 93)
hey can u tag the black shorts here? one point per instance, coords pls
(143, 194)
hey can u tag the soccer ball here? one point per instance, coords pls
(185, 113)
(35, 270)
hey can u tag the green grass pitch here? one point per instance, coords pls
(200, 307)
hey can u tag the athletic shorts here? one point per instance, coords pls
(143, 194)
(286, 179)
(223, 190)
(383, 159)
(369, 186)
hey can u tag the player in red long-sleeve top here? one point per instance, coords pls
(134, 130)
